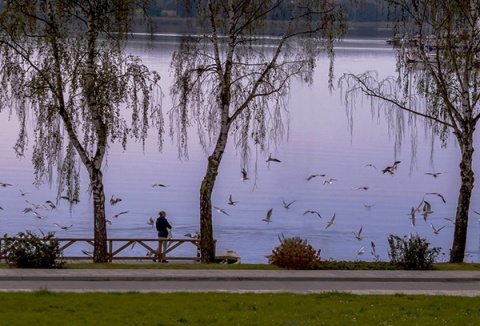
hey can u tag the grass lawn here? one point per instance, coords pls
(47, 308)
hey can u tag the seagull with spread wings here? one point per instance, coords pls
(114, 201)
(331, 222)
(118, 214)
(438, 195)
(435, 230)
(314, 176)
(63, 227)
(231, 201)
(358, 235)
(312, 212)
(287, 205)
(268, 217)
(220, 210)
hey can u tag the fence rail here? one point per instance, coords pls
(117, 246)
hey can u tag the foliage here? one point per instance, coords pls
(63, 63)
(41, 308)
(295, 253)
(412, 252)
(27, 250)
(358, 265)
(437, 84)
(232, 81)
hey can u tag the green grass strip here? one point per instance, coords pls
(48, 308)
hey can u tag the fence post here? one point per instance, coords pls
(110, 251)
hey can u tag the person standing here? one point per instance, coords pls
(164, 231)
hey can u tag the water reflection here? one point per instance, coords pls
(319, 142)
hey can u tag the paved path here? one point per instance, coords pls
(463, 283)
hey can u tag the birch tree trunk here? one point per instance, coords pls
(467, 182)
(100, 253)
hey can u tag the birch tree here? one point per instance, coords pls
(233, 80)
(437, 81)
(63, 63)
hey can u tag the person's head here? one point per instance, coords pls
(162, 214)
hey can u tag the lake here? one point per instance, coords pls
(319, 142)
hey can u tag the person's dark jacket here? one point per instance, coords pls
(162, 226)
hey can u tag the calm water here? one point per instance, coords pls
(319, 142)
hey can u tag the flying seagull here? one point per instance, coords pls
(314, 176)
(427, 210)
(390, 169)
(159, 185)
(22, 193)
(231, 201)
(51, 204)
(71, 200)
(358, 235)
(27, 210)
(63, 227)
(434, 174)
(329, 181)
(268, 217)
(272, 159)
(312, 212)
(114, 201)
(220, 210)
(4, 185)
(36, 206)
(244, 174)
(151, 221)
(362, 188)
(39, 216)
(287, 205)
(118, 214)
(437, 194)
(360, 251)
(436, 230)
(331, 222)
(371, 165)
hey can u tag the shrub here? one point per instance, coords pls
(27, 250)
(295, 253)
(412, 252)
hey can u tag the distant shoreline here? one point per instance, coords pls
(177, 25)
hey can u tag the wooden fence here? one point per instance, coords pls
(117, 249)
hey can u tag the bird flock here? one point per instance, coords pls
(423, 209)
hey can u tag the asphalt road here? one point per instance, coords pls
(300, 287)
(237, 281)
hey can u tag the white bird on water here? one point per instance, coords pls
(268, 217)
